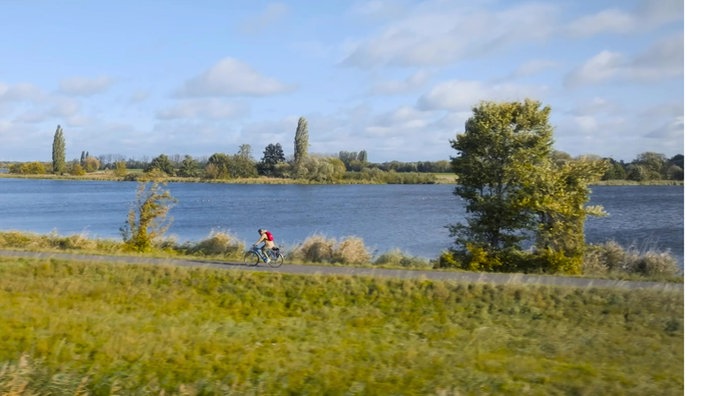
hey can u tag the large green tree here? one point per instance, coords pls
(502, 147)
(518, 190)
(243, 164)
(273, 156)
(58, 152)
(218, 166)
(189, 167)
(163, 164)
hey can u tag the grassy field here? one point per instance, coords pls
(97, 328)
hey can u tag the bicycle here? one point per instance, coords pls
(276, 257)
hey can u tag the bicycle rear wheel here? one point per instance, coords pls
(250, 258)
(276, 259)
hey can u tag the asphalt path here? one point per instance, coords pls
(296, 269)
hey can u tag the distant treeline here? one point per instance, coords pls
(350, 166)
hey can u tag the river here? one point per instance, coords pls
(412, 218)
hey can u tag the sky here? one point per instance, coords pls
(395, 78)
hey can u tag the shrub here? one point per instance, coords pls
(218, 243)
(654, 264)
(30, 168)
(319, 249)
(554, 261)
(14, 239)
(610, 257)
(120, 169)
(396, 258)
(76, 242)
(448, 259)
(315, 249)
(76, 169)
(132, 176)
(146, 221)
(351, 251)
(604, 258)
(53, 240)
(474, 258)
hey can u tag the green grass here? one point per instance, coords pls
(97, 328)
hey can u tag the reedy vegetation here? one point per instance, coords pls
(99, 328)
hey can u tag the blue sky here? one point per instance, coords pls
(395, 78)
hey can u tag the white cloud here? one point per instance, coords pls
(603, 67)
(139, 96)
(460, 95)
(20, 92)
(671, 131)
(533, 67)
(231, 77)
(272, 13)
(58, 108)
(398, 122)
(655, 13)
(650, 14)
(607, 21)
(662, 60)
(593, 106)
(410, 83)
(435, 33)
(85, 86)
(377, 9)
(204, 109)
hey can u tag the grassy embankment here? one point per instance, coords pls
(99, 328)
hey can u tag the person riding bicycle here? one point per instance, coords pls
(268, 239)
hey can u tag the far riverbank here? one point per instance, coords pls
(438, 178)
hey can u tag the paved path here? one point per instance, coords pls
(476, 277)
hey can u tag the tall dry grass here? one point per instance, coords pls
(610, 258)
(321, 249)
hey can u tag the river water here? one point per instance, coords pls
(412, 218)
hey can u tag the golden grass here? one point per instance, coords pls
(95, 328)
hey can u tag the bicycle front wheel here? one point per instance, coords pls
(250, 258)
(276, 260)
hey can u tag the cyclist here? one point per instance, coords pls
(268, 239)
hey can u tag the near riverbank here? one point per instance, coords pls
(102, 326)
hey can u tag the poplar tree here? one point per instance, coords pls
(300, 152)
(58, 153)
